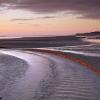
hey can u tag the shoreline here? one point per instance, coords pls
(91, 63)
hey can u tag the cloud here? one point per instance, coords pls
(47, 17)
(21, 19)
(30, 19)
(87, 8)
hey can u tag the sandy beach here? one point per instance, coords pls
(37, 74)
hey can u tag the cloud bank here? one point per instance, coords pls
(87, 8)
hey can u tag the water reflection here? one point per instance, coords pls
(38, 69)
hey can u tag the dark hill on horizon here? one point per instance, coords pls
(96, 33)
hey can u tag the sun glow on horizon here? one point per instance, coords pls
(26, 23)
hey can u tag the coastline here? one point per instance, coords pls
(92, 63)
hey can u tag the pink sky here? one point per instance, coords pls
(33, 22)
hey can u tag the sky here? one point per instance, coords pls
(48, 17)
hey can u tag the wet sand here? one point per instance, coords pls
(46, 76)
